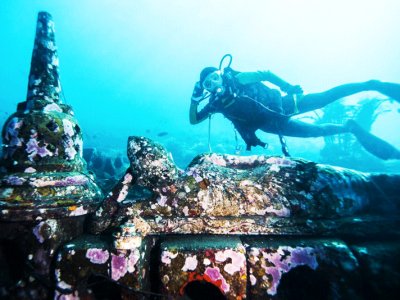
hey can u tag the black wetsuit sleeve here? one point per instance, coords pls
(205, 111)
(196, 116)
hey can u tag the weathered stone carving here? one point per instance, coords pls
(45, 188)
(226, 194)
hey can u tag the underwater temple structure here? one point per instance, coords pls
(226, 227)
(45, 188)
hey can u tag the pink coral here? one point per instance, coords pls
(217, 160)
(52, 107)
(217, 278)
(69, 147)
(162, 200)
(72, 180)
(283, 260)
(33, 148)
(280, 161)
(97, 256)
(68, 127)
(195, 174)
(283, 212)
(14, 180)
(190, 264)
(238, 260)
(166, 257)
(213, 273)
(132, 260)
(118, 266)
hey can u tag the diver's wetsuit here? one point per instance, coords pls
(251, 105)
(247, 112)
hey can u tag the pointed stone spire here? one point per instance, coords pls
(44, 83)
(43, 172)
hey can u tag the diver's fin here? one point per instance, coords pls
(392, 90)
(372, 143)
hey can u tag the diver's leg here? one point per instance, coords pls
(390, 89)
(318, 100)
(372, 143)
(296, 128)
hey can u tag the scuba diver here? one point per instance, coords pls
(250, 105)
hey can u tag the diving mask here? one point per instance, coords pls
(214, 82)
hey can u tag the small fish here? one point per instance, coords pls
(162, 133)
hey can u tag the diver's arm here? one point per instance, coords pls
(196, 117)
(253, 77)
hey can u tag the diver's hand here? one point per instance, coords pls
(197, 94)
(294, 89)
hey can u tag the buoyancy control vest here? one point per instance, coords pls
(253, 104)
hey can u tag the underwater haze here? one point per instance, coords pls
(129, 67)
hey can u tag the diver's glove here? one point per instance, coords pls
(293, 89)
(256, 143)
(197, 94)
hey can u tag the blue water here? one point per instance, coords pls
(129, 67)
